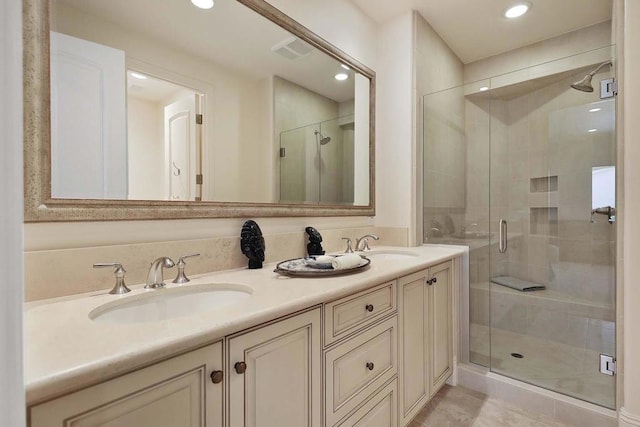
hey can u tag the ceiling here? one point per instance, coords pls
(476, 29)
(229, 35)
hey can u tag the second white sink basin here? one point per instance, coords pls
(389, 254)
(171, 303)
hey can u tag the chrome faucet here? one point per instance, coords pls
(609, 211)
(362, 244)
(155, 278)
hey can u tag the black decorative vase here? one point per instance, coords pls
(252, 244)
(314, 247)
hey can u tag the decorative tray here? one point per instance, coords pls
(298, 267)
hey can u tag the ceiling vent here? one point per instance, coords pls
(292, 48)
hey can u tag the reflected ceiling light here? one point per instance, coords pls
(483, 88)
(203, 4)
(341, 76)
(592, 130)
(138, 76)
(594, 110)
(517, 9)
(345, 67)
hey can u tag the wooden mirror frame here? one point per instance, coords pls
(39, 206)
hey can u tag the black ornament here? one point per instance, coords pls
(314, 247)
(252, 244)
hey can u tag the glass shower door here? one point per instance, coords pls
(552, 261)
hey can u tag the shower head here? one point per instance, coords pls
(324, 140)
(584, 85)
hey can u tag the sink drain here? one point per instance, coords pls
(517, 355)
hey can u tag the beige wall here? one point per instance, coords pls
(441, 148)
(630, 411)
(395, 165)
(61, 272)
(145, 141)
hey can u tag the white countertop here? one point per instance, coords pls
(65, 350)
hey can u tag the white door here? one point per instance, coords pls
(88, 120)
(180, 148)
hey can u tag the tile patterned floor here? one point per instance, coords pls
(461, 407)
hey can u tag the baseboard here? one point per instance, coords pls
(628, 419)
(559, 407)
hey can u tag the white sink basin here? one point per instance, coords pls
(164, 304)
(388, 254)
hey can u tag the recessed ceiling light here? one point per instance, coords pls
(203, 4)
(341, 76)
(592, 130)
(517, 9)
(138, 75)
(483, 88)
(594, 110)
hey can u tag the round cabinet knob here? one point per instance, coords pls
(217, 377)
(370, 366)
(240, 367)
(434, 280)
(369, 307)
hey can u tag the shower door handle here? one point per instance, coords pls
(502, 245)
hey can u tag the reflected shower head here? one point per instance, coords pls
(324, 140)
(584, 85)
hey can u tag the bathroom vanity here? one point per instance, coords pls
(360, 349)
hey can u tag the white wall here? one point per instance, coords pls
(339, 22)
(12, 411)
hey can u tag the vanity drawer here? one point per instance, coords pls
(359, 366)
(379, 411)
(356, 311)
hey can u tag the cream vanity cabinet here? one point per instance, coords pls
(182, 391)
(274, 374)
(425, 307)
(373, 358)
(361, 358)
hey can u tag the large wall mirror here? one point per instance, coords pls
(149, 110)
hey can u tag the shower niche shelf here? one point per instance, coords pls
(544, 184)
(544, 221)
(543, 192)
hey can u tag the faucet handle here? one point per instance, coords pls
(120, 287)
(181, 277)
(349, 249)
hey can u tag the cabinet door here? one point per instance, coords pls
(176, 392)
(440, 319)
(279, 381)
(413, 300)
